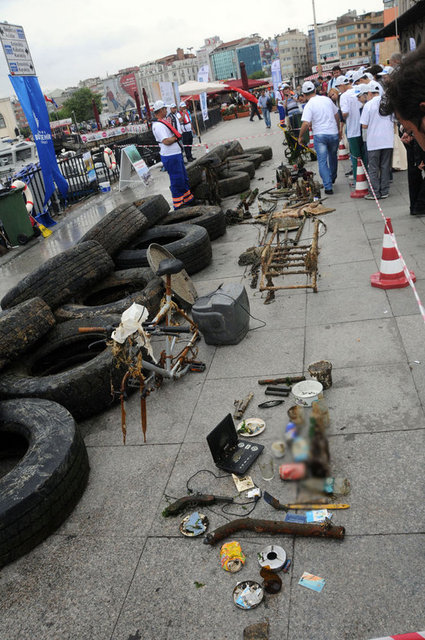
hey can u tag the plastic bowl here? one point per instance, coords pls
(306, 392)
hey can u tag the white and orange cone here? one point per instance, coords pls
(342, 152)
(361, 183)
(390, 274)
(310, 139)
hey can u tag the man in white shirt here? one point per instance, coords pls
(380, 143)
(336, 71)
(170, 149)
(350, 109)
(187, 131)
(322, 115)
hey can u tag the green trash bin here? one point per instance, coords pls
(14, 216)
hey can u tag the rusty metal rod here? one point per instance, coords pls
(292, 286)
(326, 530)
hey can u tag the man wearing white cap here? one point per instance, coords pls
(187, 131)
(322, 115)
(174, 117)
(170, 149)
(380, 142)
(350, 109)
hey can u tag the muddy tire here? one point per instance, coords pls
(115, 294)
(117, 228)
(243, 165)
(201, 192)
(62, 276)
(194, 173)
(266, 152)
(211, 218)
(22, 326)
(256, 158)
(40, 492)
(64, 370)
(155, 208)
(234, 148)
(233, 182)
(188, 242)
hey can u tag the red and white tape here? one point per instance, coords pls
(212, 144)
(418, 635)
(389, 233)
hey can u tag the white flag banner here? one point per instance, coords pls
(203, 76)
(276, 75)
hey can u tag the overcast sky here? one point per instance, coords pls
(78, 39)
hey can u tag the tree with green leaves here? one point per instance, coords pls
(257, 75)
(81, 104)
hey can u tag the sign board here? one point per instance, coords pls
(131, 160)
(203, 75)
(344, 64)
(167, 93)
(16, 50)
(276, 75)
(88, 163)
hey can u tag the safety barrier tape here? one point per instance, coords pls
(394, 241)
(418, 635)
(212, 144)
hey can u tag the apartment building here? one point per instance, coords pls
(354, 31)
(293, 54)
(327, 38)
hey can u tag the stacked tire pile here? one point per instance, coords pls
(234, 166)
(51, 375)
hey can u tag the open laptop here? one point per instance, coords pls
(229, 452)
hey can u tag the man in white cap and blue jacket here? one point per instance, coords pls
(170, 149)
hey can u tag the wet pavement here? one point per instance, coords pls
(118, 570)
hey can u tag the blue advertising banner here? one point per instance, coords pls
(29, 94)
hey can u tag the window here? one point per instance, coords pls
(352, 46)
(2, 122)
(342, 38)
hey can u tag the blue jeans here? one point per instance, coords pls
(326, 147)
(266, 116)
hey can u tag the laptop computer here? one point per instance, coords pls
(229, 452)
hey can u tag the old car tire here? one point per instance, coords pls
(188, 242)
(194, 173)
(266, 152)
(211, 218)
(62, 276)
(243, 165)
(117, 228)
(234, 148)
(65, 370)
(115, 294)
(155, 208)
(22, 326)
(255, 158)
(40, 492)
(233, 182)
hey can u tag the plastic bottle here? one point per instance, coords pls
(338, 486)
(291, 431)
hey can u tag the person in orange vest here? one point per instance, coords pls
(187, 131)
(171, 152)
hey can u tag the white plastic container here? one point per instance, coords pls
(105, 186)
(306, 392)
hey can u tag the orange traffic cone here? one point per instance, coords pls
(311, 139)
(390, 274)
(361, 183)
(342, 152)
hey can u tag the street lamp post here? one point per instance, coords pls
(316, 41)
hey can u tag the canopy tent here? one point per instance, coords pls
(192, 86)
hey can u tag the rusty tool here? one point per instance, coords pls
(274, 502)
(193, 501)
(285, 380)
(241, 405)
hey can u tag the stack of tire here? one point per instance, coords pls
(235, 167)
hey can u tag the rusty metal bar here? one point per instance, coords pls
(326, 530)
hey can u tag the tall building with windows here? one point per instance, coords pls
(354, 31)
(293, 54)
(225, 59)
(327, 42)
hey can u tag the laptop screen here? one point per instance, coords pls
(222, 438)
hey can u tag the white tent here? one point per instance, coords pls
(193, 87)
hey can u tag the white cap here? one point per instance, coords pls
(172, 105)
(308, 87)
(285, 85)
(358, 74)
(350, 74)
(182, 104)
(159, 104)
(368, 75)
(362, 89)
(385, 71)
(341, 80)
(374, 87)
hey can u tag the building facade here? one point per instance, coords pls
(203, 54)
(311, 48)
(224, 60)
(175, 68)
(354, 32)
(8, 122)
(293, 46)
(251, 56)
(327, 37)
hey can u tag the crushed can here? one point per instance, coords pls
(231, 557)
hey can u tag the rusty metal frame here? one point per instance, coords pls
(280, 259)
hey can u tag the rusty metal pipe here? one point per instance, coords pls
(326, 530)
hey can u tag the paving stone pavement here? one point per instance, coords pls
(118, 570)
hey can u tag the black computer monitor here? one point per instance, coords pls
(222, 438)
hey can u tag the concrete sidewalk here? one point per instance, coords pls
(117, 570)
